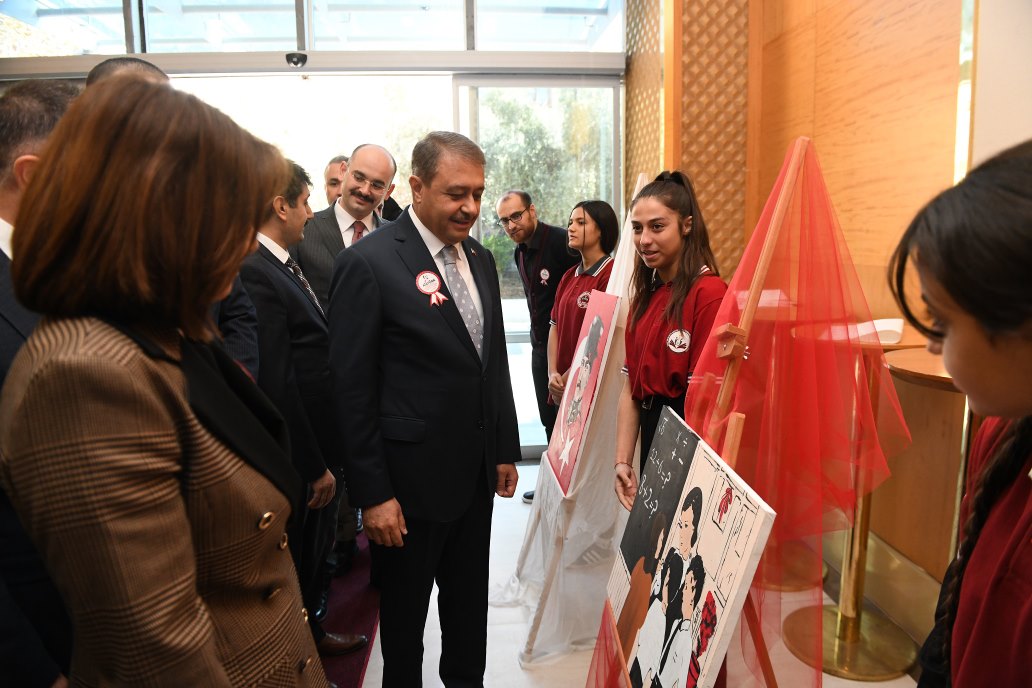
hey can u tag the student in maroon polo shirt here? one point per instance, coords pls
(677, 291)
(971, 247)
(593, 231)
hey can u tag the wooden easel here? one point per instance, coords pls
(618, 283)
(732, 343)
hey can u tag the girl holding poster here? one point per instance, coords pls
(677, 291)
(593, 231)
(972, 249)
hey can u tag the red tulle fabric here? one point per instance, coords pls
(608, 669)
(821, 412)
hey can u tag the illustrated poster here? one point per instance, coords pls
(689, 553)
(581, 386)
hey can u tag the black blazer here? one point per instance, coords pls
(422, 415)
(35, 632)
(293, 355)
(238, 324)
(315, 253)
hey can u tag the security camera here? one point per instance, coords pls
(297, 59)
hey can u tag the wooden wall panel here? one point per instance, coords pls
(885, 119)
(787, 104)
(913, 510)
(874, 83)
(712, 110)
(643, 147)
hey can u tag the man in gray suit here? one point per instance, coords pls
(367, 181)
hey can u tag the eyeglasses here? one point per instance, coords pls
(515, 217)
(362, 179)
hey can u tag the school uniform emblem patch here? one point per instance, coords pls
(582, 300)
(678, 340)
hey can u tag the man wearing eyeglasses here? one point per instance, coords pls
(367, 180)
(542, 257)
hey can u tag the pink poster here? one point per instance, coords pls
(581, 385)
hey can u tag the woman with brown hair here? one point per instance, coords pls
(677, 291)
(148, 469)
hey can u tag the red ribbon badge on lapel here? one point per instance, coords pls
(430, 284)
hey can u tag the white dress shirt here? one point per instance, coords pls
(346, 223)
(5, 236)
(274, 248)
(434, 245)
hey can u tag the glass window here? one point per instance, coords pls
(220, 25)
(558, 144)
(316, 117)
(389, 25)
(61, 27)
(571, 25)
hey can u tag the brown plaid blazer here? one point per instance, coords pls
(168, 546)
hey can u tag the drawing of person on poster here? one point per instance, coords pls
(649, 645)
(679, 640)
(566, 437)
(636, 604)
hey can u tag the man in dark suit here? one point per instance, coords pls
(422, 391)
(542, 257)
(35, 632)
(294, 373)
(368, 178)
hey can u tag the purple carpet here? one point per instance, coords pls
(353, 608)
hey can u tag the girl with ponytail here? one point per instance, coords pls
(971, 247)
(676, 293)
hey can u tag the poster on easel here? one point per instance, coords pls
(581, 385)
(691, 547)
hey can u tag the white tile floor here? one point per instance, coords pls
(507, 627)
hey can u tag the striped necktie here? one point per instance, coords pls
(296, 269)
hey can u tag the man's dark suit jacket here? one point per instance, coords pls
(294, 361)
(422, 415)
(35, 632)
(316, 252)
(238, 324)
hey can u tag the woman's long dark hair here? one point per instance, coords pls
(605, 218)
(975, 239)
(675, 191)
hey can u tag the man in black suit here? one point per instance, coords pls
(542, 257)
(294, 373)
(422, 391)
(35, 632)
(368, 178)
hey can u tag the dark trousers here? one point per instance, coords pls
(648, 420)
(310, 542)
(539, 371)
(455, 556)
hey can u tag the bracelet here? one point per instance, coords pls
(620, 463)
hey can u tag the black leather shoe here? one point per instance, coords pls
(335, 644)
(320, 611)
(528, 497)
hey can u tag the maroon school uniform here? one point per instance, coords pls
(571, 302)
(660, 355)
(992, 634)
